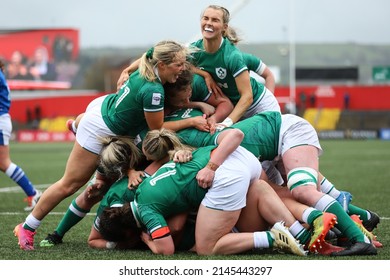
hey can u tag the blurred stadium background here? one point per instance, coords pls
(343, 90)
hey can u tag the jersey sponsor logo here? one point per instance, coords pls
(156, 98)
(224, 85)
(221, 72)
(186, 114)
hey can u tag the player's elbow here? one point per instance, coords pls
(238, 134)
(166, 251)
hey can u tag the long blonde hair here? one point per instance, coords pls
(165, 51)
(159, 143)
(118, 155)
(229, 33)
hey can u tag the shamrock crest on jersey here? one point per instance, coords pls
(221, 72)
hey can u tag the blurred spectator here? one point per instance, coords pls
(62, 49)
(313, 100)
(41, 68)
(38, 117)
(346, 100)
(66, 66)
(302, 103)
(17, 68)
(29, 116)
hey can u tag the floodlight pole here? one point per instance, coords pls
(238, 5)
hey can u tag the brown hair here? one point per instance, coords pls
(183, 81)
(114, 222)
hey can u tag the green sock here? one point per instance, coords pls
(25, 226)
(73, 215)
(270, 239)
(352, 209)
(345, 224)
(304, 236)
(314, 214)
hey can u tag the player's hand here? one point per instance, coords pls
(135, 178)
(200, 123)
(95, 188)
(212, 125)
(226, 123)
(122, 78)
(212, 86)
(205, 178)
(182, 156)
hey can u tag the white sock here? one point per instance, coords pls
(306, 214)
(74, 127)
(324, 203)
(296, 228)
(260, 239)
(328, 188)
(32, 222)
(10, 170)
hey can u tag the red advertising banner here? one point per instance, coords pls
(43, 136)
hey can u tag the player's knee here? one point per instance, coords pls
(203, 250)
(68, 189)
(301, 176)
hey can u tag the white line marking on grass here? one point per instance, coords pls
(19, 189)
(51, 213)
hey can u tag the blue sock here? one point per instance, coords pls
(17, 174)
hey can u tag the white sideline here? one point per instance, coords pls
(16, 189)
(24, 212)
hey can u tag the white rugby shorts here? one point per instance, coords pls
(92, 126)
(5, 129)
(232, 180)
(296, 131)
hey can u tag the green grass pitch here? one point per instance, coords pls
(361, 167)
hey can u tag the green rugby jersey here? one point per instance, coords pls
(117, 195)
(173, 189)
(123, 112)
(224, 66)
(261, 132)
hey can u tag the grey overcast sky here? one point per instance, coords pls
(130, 23)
